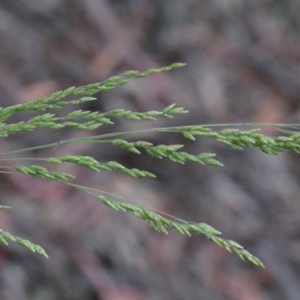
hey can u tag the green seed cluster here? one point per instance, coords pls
(42, 172)
(91, 163)
(242, 139)
(162, 224)
(6, 237)
(167, 151)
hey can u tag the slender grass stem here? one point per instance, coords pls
(105, 138)
(97, 192)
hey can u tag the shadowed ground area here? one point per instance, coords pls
(243, 65)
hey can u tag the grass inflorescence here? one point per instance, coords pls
(45, 108)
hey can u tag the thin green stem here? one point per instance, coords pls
(249, 124)
(22, 158)
(90, 139)
(7, 172)
(96, 193)
(4, 154)
(105, 138)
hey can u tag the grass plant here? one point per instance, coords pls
(44, 114)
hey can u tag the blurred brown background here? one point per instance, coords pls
(243, 64)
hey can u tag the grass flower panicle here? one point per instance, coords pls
(228, 134)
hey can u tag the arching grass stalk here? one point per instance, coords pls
(235, 136)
